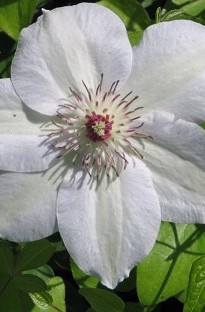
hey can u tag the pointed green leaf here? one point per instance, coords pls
(196, 288)
(34, 255)
(102, 300)
(165, 272)
(30, 283)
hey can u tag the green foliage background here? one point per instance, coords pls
(40, 276)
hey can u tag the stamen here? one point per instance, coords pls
(99, 87)
(77, 96)
(89, 94)
(95, 128)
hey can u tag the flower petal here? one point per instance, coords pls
(64, 47)
(176, 157)
(169, 69)
(23, 146)
(28, 206)
(109, 229)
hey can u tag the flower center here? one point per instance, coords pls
(98, 129)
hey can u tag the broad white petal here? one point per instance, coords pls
(15, 116)
(25, 153)
(176, 157)
(64, 47)
(109, 229)
(23, 146)
(28, 205)
(169, 69)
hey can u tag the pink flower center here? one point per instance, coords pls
(98, 127)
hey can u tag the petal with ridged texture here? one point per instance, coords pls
(28, 206)
(176, 158)
(109, 229)
(169, 69)
(24, 147)
(87, 40)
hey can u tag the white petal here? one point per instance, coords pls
(176, 157)
(169, 69)
(15, 116)
(28, 205)
(25, 153)
(23, 146)
(65, 46)
(109, 229)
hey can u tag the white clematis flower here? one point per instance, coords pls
(110, 166)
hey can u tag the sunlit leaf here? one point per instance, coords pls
(14, 15)
(194, 8)
(102, 300)
(181, 2)
(132, 14)
(165, 272)
(51, 300)
(196, 288)
(42, 300)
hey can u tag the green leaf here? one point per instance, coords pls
(134, 36)
(165, 272)
(42, 300)
(44, 272)
(34, 255)
(194, 8)
(26, 11)
(182, 296)
(30, 283)
(14, 15)
(6, 259)
(10, 299)
(14, 300)
(203, 125)
(196, 288)
(82, 279)
(102, 300)
(132, 14)
(147, 3)
(180, 2)
(53, 299)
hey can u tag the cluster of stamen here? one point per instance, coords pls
(98, 129)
